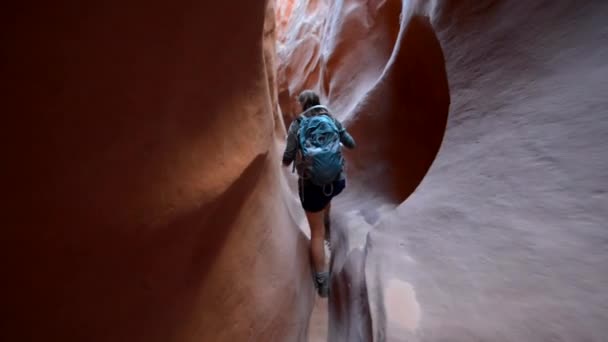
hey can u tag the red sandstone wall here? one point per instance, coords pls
(144, 204)
(504, 238)
(131, 217)
(380, 67)
(384, 76)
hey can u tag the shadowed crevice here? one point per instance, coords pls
(400, 123)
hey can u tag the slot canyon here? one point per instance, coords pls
(147, 202)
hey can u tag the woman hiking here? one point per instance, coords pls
(314, 142)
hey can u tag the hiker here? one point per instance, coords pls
(314, 146)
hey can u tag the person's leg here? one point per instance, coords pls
(317, 251)
(315, 203)
(339, 185)
(327, 223)
(317, 236)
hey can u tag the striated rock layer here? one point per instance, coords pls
(505, 239)
(145, 200)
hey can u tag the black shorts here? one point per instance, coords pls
(315, 198)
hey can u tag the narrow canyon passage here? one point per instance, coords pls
(505, 239)
(146, 201)
(384, 74)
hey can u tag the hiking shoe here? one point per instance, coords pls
(322, 284)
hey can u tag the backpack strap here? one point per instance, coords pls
(331, 186)
(316, 107)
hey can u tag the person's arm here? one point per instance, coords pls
(292, 144)
(345, 138)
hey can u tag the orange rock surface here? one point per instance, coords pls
(143, 176)
(144, 198)
(503, 240)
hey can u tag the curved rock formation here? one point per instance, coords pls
(383, 73)
(144, 203)
(145, 200)
(504, 240)
(507, 231)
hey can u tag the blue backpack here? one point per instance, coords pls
(319, 140)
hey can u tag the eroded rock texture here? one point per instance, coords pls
(505, 239)
(143, 199)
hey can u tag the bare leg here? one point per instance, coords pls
(317, 236)
(326, 218)
(326, 222)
